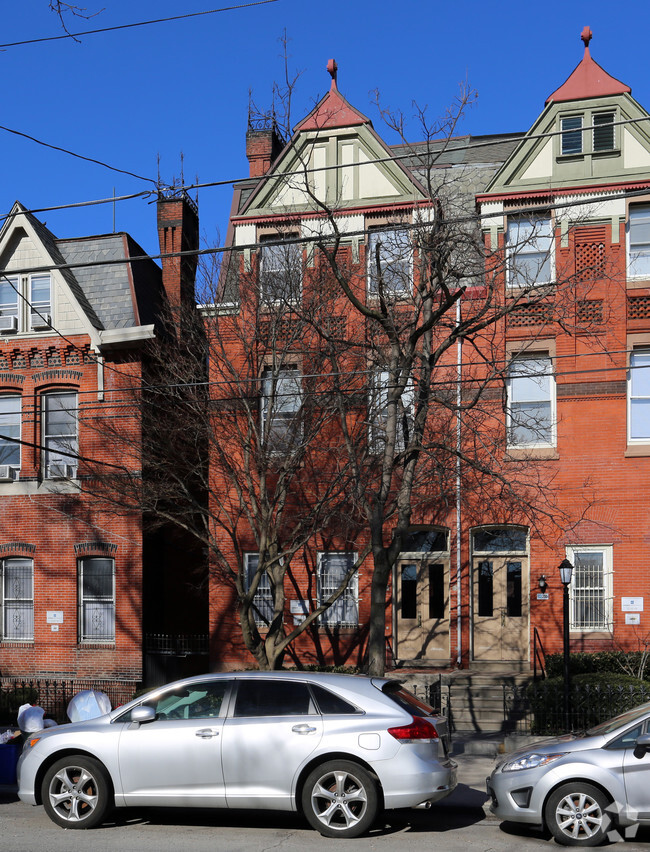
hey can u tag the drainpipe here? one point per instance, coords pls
(459, 368)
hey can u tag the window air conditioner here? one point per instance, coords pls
(61, 471)
(41, 323)
(8, 473)
(8, 324)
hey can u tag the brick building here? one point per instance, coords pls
(78, 580)
(562, 265)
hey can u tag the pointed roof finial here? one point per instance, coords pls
(586, 35)
(588, 79)
(332, 69)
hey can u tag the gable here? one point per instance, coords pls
(539, 163)
(340, 168)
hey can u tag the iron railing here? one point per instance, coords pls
(53, 694)
(176, 644)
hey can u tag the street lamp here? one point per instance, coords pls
(566, 572)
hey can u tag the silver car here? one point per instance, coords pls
(337, 748)
(583, 788)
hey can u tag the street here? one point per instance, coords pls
(456, 824)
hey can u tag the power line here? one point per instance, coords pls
(136, 24)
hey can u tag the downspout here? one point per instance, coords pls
(459, 368)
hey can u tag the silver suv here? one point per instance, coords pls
(583, 788)
(338, 748)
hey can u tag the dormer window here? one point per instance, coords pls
(603, 130)
(25, 303)
(571, 134)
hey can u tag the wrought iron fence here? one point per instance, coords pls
(538, 708)
(176, 644)
(53, 694)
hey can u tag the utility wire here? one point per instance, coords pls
(136, 24)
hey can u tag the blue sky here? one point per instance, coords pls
(131, 96)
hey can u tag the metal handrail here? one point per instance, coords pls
(539, 655)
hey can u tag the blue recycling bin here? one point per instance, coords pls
(9, 754)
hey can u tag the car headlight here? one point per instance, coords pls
(532, 760)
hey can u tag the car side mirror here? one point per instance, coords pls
(142, 714)
(641, 745)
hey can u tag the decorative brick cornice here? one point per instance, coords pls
(85, 547)
(17, 547)
(53, 375)
(12, 378)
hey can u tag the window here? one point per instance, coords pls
(531, 401)
(25, 303)
(638, 385)
(590, 590)
(96, 599)
(380, 412)
(10, 428)
(638, 242)
(330, 704)
(603, 131)
(280, 269)
(391, 273)
(60, 441)
(17, 599)
(200, 700)
(529, 251)
(257, 697)
(263, 600)
(281, 404)
(332, 568)
(571, 138)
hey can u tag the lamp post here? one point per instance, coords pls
(566, 572)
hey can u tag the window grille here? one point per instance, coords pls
(17, 599)
(263, 600)
(96, 599)
(333, 567)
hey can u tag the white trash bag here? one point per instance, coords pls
(30, 718)
(88, 704)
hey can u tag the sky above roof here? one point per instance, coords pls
(171, 99)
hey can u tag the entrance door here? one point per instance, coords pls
(423, 609)
(500, 607)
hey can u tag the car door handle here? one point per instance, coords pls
(206, 733)
(303, 729)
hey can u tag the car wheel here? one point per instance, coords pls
(340, 799)
(575, 814)
(76, 792)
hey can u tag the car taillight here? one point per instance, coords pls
(419, 730)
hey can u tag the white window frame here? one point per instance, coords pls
(27, 310)
(11, 425)
(378, 413)
(396, 261)
(525, 394)
(40, 310)
(601, 594)
(638, 262)
(281, 403)
(11, 285)
(98, 603)
(263, 599)
(570, 133)
(637, 395)
(530, 239)
(59, 449)
(344, 612)
(280, 258)
(19, 606)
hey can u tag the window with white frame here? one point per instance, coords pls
(638, 396)
(281, 408)
(529, 250)
(17, 599)
(96, 599)
(386, 409)
(604, 131)
(10, 416)
(390, 262)
(571, 137)
(332, 569)
(531, 402)
(638, 241)
(280, 269)
(590, 592)
(263, 599)
(60, 434)
(25, 303)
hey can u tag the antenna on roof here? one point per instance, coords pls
(113, 209)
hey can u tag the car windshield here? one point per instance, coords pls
(619, 721)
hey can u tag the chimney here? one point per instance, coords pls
(262, 149)
(178, 231)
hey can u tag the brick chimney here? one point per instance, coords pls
(178, 231)
(262, 149)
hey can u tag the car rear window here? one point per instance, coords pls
(273, 698)
(406, 700)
